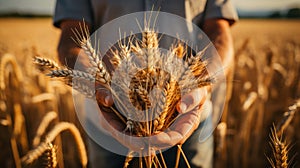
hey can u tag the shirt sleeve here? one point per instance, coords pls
(221, 9)
(72, 9)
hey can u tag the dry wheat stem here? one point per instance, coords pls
(47, 119)
(129, 157)
(287, 117)
(8, 65)
(184, 157)
(162, 158)
(177, 158)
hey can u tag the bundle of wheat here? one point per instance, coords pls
(145, 78)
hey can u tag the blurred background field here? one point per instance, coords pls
(265, 84)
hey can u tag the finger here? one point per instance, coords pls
(104, 97)
(182, 128)
(191, 100)
(131, 142)
(112, 124)
(110, 120)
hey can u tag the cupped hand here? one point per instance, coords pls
(190, 109)
(115, 127)
(103, 96)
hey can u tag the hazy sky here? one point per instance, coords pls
(47, 6)
(265, 4)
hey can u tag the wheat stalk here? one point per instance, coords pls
(9, 66)
(47, 119)
(128, 159)
(287, 117)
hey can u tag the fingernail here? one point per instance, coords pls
(107, 100)
(182, 107)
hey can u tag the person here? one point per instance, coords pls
(214, 17)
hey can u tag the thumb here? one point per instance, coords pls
(104, 97)
(191, 100)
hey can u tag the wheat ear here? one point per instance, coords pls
(34, 154)
(82, 86)
(280, 151)
(51, 156)
(42, 147)
(45, 63)
(172, 97)
(82, 39)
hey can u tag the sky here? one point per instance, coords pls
(254, 5)
(47, 6)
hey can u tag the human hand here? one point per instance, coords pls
(113, 125)
(190, 109)
(103, 96)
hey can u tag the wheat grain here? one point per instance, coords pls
(50, 156)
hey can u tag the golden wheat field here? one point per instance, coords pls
(265, 88)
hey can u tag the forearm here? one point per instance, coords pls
(218, 30)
